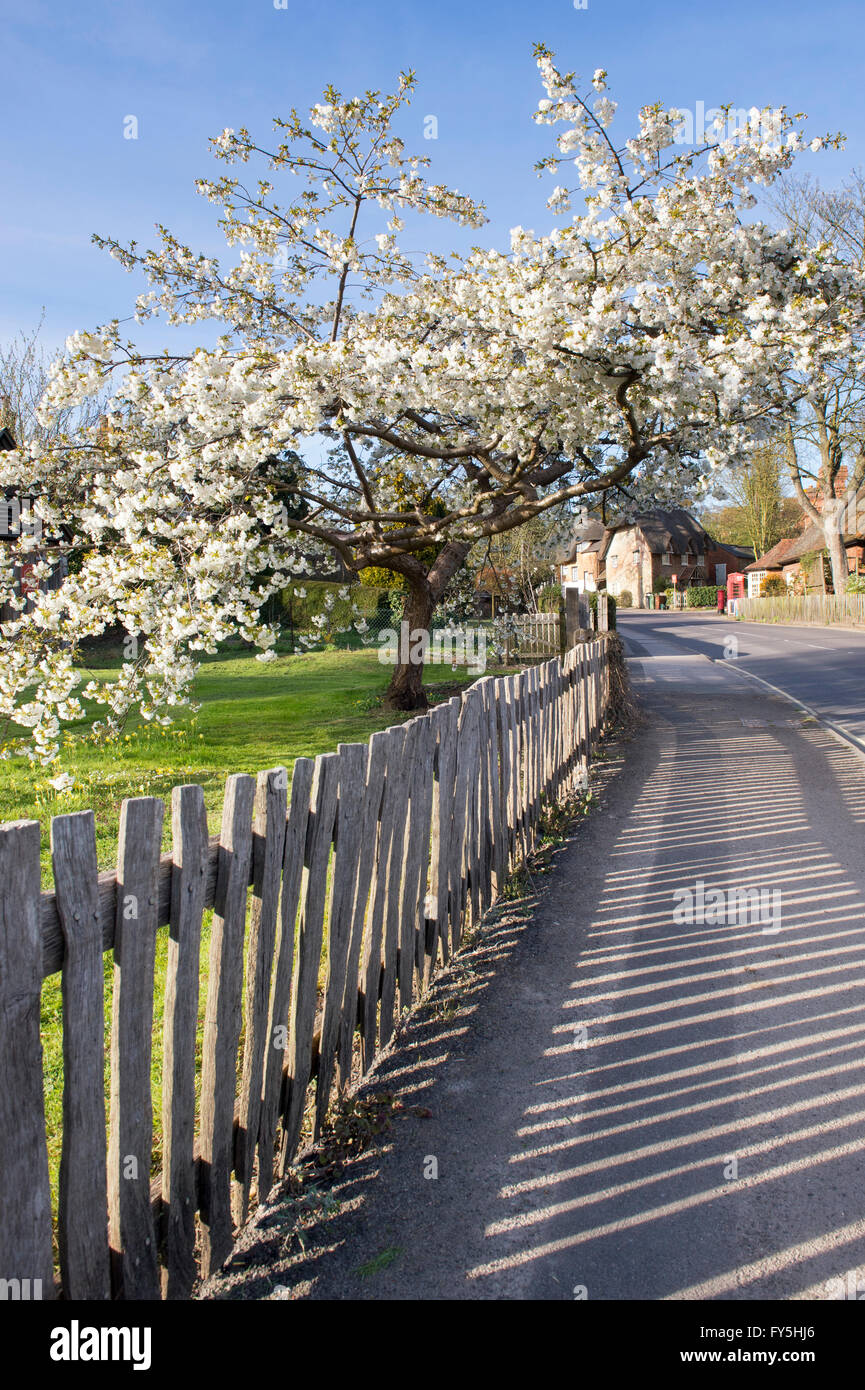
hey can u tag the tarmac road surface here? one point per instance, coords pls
(623, 1094)
(822, 666)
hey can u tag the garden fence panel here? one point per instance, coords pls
(364, 876)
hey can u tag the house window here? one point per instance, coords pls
(667, 557)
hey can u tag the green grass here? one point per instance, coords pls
(380, 1262)
(253, 716)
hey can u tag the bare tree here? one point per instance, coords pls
(828, 432)
(24, 373)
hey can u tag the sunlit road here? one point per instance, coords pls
(821, 666)
(613, 1098)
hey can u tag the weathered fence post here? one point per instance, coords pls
(277, 1029)
(305, 984)
(131, 1227)
(25, 1229)
(268, 845)
(82, 1217)
(190, 848)
(222, 1021)
(349, 828)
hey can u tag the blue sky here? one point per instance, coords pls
(72, 73)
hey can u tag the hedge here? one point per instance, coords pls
(702, 596)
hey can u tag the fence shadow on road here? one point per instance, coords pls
(707, 1139)
(695, 1126)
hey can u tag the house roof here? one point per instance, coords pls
(792, 548)
(811, 540)
(667, 530)
(588, 536)
(742, 552)
(776, 557)
(7, 440)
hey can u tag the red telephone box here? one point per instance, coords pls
(735, 591)
(735, 586)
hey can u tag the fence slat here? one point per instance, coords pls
(445, 723)
(486, 786)
(131, 1227)
(462, 851)
(373, 796)
(400, 775)
(304, 998)
(512, 804)
(585, 713)
(179, 1180)
(82, 1218)
(280, 998)
(494, 877)
(405, 770)
(374, 938)
(268, 845)
(349, 823)
(25, 1230)
(222, 1022)
(535, 736)
(501, 754)
(417, 862)
(478, 812)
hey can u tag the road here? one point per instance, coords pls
(822, 666)
(608, 1099)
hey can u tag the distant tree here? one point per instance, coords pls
(25, 367)
(827, 432)
(758, 514)
(522, 560)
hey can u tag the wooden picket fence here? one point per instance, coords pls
(535, 636)
(847, 609)
(364, 871)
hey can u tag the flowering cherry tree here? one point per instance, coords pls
(431, 404)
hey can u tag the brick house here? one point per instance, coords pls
(799, 559)
(582, 566)
(772, 562)
(657, 544)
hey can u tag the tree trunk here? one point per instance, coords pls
(425, 591)
(835, 547)
(406, 687)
